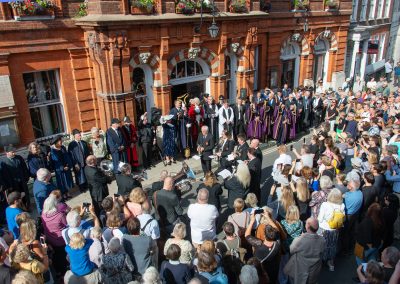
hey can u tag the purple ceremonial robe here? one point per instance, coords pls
(254, 128)
(267, 121)
(292, 126)
(280, 130)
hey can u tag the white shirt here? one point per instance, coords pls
(307, 160)
(326, 212)
(202, 222)
(388, 67)
(283, 159)
(152, 229)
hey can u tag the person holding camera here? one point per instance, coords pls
(97, 183)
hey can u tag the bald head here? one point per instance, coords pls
(168, 183)
(312, 225)
(254, 143)
(91, 160)
(202, 196)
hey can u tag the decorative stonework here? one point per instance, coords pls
(144, 57)
(329, 36)
(235, 47)
(193, 52)
(296, 37)
(300, 40)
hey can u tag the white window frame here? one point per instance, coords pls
(372, 8)
(387, 8)
(52, 102)
(364, 5)
(380, 9)
(382, 46)
(355, 11)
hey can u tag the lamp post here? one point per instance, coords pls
(213, 29)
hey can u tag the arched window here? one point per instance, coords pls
(321, 46)
(289, 50)
(186, 68)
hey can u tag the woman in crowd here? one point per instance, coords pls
(331, 218)
(98, 145)
(240, 219)
(78, 256)
(320, 196)
(208, 269)
(54, 221)
(168, 141)
(36, 159)
(187, 250)
(134, 205)
(22, 260)
(293, 226)
(114, 228)
(251, 205)
(302, 197)
(173, 271)
(372, 275)
(238, 185)
(214, 189)
(369, 233)
(280, 205)
(338, 162)
(116, 266)
(267, 251)
(62, 165)
(151, 276)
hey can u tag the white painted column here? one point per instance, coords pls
(363, 64)
(356, 48)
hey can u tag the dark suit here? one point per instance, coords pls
(208, 143)
(78, 155)
(307, 111)
(114, 141)
(259, 154)
(146, 138)
(239, 113)
(97, 184)
(317, 111)
(235, 190)
(126, 183)
(255, 172)
(168, 208)
(227, 149)
(16, 176)
(242, 152)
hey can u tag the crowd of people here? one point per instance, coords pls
(337, 194)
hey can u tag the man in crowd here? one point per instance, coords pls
(79, 150)
(128, 130)
(16, 174)
(306, 255)
(125, 181)
(42, 187)
(167, 205)
(226, 118)
(205, 145)
(116, 144)
(241, 151)
(254, 165)
(239, 113)
(97, 183)
(202, 219)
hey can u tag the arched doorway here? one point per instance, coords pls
(142, 83)
(290, 56)
(321, 60)
(190, 76)
(230, 72)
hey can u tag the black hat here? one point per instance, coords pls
(115, 120)
(206, 95)
(127, 119)
(56, 139)
(13, 196)
(75, 131)
(9, 148)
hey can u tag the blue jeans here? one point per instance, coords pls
(369, 254)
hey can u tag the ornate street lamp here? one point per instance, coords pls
(213, 29)
(305, 26)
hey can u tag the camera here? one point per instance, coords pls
(258, 211)
(86, 206)
(291, 147)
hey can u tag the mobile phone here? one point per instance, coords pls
(304, 140)
(86, 205)
(291, 147)
(42, 240)
(258, 211)
(298, 160)
(364, 267)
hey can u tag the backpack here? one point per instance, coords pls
(218, 277)
(337, 219)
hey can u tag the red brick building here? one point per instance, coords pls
(64, 72)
